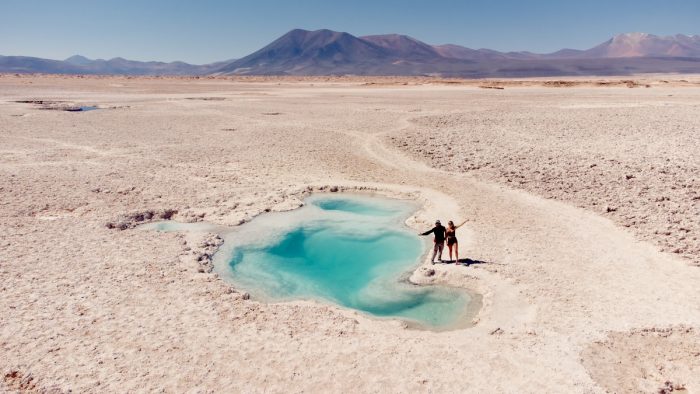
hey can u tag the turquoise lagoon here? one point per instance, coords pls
(346, 249)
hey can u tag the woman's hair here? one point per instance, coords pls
(450, 223)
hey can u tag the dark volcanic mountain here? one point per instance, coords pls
(303, 52)
(326, 52)
(81, 65)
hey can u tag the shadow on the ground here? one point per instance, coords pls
(466, 262)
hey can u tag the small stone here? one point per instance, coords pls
(429, 272)
(245, 296)
(334, 189)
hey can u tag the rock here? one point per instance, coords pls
(429, 272)
(608, 208)
(127, 221)
(245, 296)
(334, 189)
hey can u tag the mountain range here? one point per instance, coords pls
(117, 66)
(326, 52)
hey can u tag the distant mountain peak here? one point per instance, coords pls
(634, 35)
(299, 51)
(78, 59)
(631, 38)
(647, 45)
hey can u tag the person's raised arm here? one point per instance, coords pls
(462, 224)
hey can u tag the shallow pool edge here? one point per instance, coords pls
(407, 194)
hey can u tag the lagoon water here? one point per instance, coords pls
(351, 250)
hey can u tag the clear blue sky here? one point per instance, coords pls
(209, 30)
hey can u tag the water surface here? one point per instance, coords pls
(351, 250)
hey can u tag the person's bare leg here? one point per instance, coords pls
(449, 247)
(456, 253)
(432, 258)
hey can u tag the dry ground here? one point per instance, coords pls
(572, 301)
(628, 154)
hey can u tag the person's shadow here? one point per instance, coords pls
(466, 262)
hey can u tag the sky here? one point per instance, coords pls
(205, 31)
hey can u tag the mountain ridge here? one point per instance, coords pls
(328, 52)
(78, 64)
(325, 52)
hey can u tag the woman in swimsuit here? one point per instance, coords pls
(451, 233)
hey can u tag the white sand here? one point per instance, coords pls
(572, 301)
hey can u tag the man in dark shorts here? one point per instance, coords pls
(439, 240)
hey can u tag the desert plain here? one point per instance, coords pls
(582, 201)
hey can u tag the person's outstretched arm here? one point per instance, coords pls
(428, 232)
(461, 224)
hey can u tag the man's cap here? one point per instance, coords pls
(437, 222)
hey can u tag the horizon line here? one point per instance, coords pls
(356, 36)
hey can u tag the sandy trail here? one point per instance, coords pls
(575, 244)
(571, 299)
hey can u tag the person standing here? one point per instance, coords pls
(438, 240)
(452, 242)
